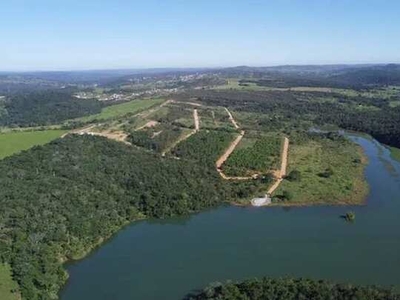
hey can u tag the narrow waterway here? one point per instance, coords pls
(165, 260)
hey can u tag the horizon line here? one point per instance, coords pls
(200, 68)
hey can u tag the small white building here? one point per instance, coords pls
(261, 201)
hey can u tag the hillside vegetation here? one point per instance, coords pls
(60, 200)
(45, 108)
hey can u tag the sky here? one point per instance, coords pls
(122, 34)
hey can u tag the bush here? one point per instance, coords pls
(295, 175)
(327, 173)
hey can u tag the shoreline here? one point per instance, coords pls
(362, 194)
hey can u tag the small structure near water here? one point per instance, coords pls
(261, 201)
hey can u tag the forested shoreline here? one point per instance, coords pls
(291, 289)
(60, 200)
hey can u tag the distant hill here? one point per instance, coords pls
(339, 76)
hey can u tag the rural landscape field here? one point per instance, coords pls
(204, 150)
(78, 177)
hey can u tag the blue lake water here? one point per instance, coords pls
(167, 259)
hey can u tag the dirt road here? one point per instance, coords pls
(147, 125)
(282, 172)
(185, 137)
(147, 113)
(225, 156)
(196, 120)
(178, 141)
(230, 149)
(232, 119)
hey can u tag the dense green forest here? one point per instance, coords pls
(62, 199)
(44, 108)
(292, 289)
(373, 116)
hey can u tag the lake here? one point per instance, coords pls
(167, 259)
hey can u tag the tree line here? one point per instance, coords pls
(291, 289)
(47, 107)
(61, 200)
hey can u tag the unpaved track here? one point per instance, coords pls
(230, 149)
(178, 141)
(147, 125)
(279, 174)
(196, 120)
(282, 172)
(147, 113)
(232, 119)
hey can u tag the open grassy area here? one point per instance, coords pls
(214, 118)
(122, 109)
(7, 285)
(328, 172)
(395, 153)
(14, 142)
(394, 104)
(233, 83)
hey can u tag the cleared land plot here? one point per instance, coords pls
(14, 142)
(254, 156)
(214, 118)
(157, 138)
(122, 109)
(323, 171)
(7, 285)
(204, 146)
(175, 114)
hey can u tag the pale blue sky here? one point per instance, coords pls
(99, 34)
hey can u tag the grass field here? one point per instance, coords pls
(331, 172)
(14, 142)
(395, 153)
(122, 109)
(7, 284)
